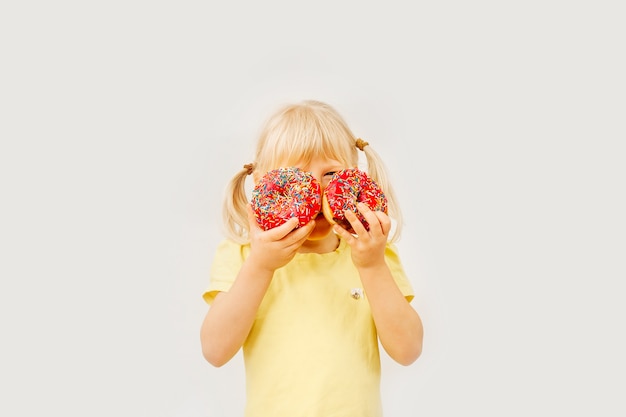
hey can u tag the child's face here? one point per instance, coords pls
(322, 169)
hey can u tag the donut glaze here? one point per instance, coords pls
(284, 193)
(345, 189)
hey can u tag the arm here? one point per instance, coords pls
(231, 315)
(398, 325)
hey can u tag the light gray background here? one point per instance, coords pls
(501, 123)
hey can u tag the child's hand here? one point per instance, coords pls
(368, 247)
(273, 248)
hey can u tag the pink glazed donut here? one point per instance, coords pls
(345, 189)
(284, 193)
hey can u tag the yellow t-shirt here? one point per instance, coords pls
(313, 348)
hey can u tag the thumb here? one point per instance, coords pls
(252, 219)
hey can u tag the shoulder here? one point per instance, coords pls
(391, 252)
(392, 257)
(227, 260)
(229, 256)
(230, 248)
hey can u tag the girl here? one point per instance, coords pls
(310, 304)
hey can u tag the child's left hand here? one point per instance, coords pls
(368, 246)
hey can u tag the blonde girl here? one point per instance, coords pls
(309, 305)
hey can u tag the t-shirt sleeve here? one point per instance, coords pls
(227, 262)
(397, 271)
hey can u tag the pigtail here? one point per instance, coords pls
(378, 172)
(235, 206)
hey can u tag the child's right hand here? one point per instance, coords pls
(274, 248)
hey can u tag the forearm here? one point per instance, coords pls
(398, 325)
(231, 315)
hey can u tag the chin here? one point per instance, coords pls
(322, 229)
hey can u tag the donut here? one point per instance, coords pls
(345, 189)
(283, 193)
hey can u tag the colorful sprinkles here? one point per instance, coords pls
(347, 188)
(284, 193)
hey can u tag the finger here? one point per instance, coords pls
(385, 222)
(372, 219)
(252, 220)
(300, 234)
(284, 229)
(344, 234)
(356, 224)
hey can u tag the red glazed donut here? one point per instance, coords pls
(345, 189)
(284, 193)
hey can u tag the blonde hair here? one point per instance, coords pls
(297, 133)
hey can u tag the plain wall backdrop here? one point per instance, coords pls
(502, 125)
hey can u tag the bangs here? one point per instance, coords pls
(304, 147)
